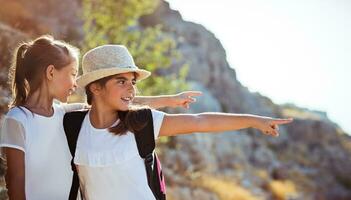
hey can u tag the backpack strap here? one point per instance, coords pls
(145, 140)
(72, 123)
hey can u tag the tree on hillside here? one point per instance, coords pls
(116, 22)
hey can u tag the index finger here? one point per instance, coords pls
(193, 93)
(282, 121)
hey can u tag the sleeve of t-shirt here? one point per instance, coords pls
(12, 134)
(73, 106)
(157, 117)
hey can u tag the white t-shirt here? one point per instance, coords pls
(109, 166)
(48, 173)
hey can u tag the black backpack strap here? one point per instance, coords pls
(72, 123)
(145, 140)
(145, 137)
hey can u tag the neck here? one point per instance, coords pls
(40, 103)
(102, 116)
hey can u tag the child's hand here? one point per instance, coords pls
(183, 99)
(270, 126)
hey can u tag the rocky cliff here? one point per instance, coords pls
(310, 160)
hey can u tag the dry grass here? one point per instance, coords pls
(262, 174)
(224, 189)
(283, 190)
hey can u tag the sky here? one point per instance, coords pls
(290, 51)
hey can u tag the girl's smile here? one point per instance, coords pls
(63, 81)
(120, 87)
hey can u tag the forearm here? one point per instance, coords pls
(153, 101)
(219, 122)
(15, 174)
(16, 188)
(175, 124)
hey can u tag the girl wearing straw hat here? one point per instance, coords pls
(106, 154)
(32, 136)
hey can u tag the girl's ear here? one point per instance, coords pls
(95, 88)
(50, 72)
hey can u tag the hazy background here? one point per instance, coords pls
(291, 51)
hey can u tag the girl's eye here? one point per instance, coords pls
(121, 82)
(133, 82)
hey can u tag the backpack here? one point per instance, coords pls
(145, 140)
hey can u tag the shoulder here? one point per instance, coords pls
(19, 114)
(152, 111)
(75, 116)
(58, 107)
(69, 107)
(63, 108)
(153, 114)
(157, 113)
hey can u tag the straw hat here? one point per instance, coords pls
(108, 60)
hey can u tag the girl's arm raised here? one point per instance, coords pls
(182, 99)
(15, 179)
(175, 124)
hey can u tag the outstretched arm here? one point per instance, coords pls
(175, 124)
(182, 99)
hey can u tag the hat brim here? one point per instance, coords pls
(85, 79)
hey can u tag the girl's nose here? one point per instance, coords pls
(130, 86)
(75, 85)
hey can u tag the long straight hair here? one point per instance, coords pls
(30, 62)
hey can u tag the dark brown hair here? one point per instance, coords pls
(31, 60)
(130, 120)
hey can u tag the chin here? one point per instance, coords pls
(122, 108)
(63, 99)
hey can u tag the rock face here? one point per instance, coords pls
(307, 148)
(310, 160)
(59, 18)
(9, 39)
(21, 20)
